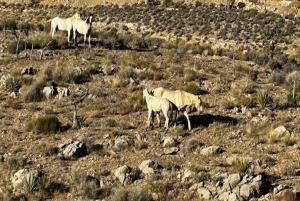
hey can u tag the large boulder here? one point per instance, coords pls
(72, 149)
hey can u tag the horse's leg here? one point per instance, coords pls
(158, 119)
(150, 119)
(188, 119)
(175, 118)
(74, 35)
(89, 40)
(84, 40)
(167, 121)
(53, 28)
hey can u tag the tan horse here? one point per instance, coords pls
(183, 100)
(83, 27)
(63, 24)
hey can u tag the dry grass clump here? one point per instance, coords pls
(241, 164)
(11, 103)
(131, 194)
(140, 144)
(33, 93)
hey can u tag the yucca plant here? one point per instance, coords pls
(264, 98)
(30, 182)
(241, 164)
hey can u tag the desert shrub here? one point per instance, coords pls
(15, 163)
(273, 64)
(48, 124)
(10, 103)
(46, 185)
(199, 49)
(33, 93)
(146, 75)
(261, 60)
(193, 88)
(134, 194)
(170, 165)
(47, 150)
(13, 83)
(200, 177)
(278, 77)
(90, 190)
(193, 145)
(140, 144)
(241, 4)
(290, 66)
(264, 98)
(124, 75)
(111, 123)
(41, 39)
(292, 100)
(228, 104)
(288, 170)
(241, 164)
(10, 24)
(64, 74)
(12, 47)
(190, 75)
(161, 188)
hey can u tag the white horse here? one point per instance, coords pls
(157, 105)
(83, 27)
(183, 100)
(63, 24)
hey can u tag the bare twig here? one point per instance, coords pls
(42, 51)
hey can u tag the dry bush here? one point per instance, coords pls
(190, 75)
(140, 144)
(10, 103)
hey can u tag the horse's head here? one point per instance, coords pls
(145, 92)
(89, 20)
(198, 104)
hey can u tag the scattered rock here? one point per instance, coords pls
(171, 150)
(212, 150)
(279, 133)
(72, 149)
(169, 142)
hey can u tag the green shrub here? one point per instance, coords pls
(45, 184)
(30, 182)
(241, 5)
(241, 164)
(291, 100)
(193, 88)
(264, 98)
(13, 84)
(111, 123)
(48, 124)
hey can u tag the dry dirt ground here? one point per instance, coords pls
(106, 118)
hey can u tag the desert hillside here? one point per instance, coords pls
(74, 119)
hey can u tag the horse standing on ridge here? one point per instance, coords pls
(83, 27)
(63, 24)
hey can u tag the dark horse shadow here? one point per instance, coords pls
(207, 119)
